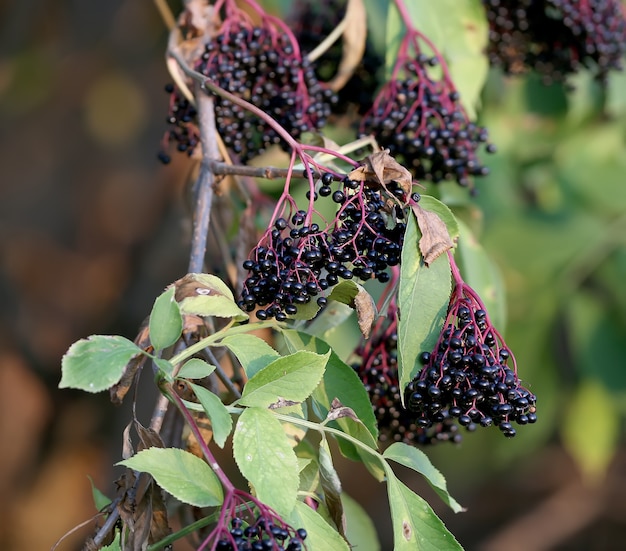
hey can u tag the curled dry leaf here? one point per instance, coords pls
(354, 37)
(435, 238)
(381, 169)
(338, 410)
(365, 311)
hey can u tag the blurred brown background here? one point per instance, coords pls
(92, 228)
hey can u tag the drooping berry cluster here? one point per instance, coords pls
(297, 260)
(183, 129)
(262, 535)
(312, 22)
(378, 369)
(262, 65)
(556, 37)
(422, 122)
(471, 375)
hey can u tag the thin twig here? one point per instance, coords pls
(267, 172)
(223, 377)
(203, 192)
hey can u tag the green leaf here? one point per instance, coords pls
(187, 477)
(428, 202)
(217, 306)
(165, 367)
(417, 460)
(331, 485)
(423, 297)
(321, 536)
(166, 321)
(340, 381)
(195, 369)
(360, 530)
(481, 274)
(97, 362)
(266, 459)
(100, 500)
(252, 352)
(345, 292)
(592, 411)
(290, 378)
(416, 527)
(221, 421)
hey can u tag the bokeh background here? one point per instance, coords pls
(92, 228)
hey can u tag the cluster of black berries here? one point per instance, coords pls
(183, 129)
(423, 124)
(378, 369)
(263, 535)
(312, 22)
(467, 377)
(556, 37)
(262, 66)
(296, 260)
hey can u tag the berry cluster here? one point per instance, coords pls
(423, 124)
(467, 376)
(262, 535)
(312, 22)
(182, 121)
(378, 369)
(556, 37)
(296, 260)
(263, 66)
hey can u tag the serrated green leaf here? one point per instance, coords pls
(360, 530)
(340, 381)
(423, 297)
(221, 421)
(428, 202)
(480, 274)
(266, 459)
(418, 461)
(195, 369)
(416, 527)
(180, 473)
(100, 500)
(166, 321)
(290, 378)
(211, 284)
(97, 362)
(252, 352)
(212, 305)
(603, 423)
(321, 536)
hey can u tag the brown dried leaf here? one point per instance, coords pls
(159, 528)
(354, 38)
(338, 410)
(149, 437)
(365, 311)
(139, 532)
(118, 391)
(380, 168)
(435, 238)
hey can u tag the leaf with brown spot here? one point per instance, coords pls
(435, 238)
(331, 486)
(338, 410)
(381, 168)
(354, 38)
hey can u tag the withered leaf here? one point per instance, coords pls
(338, 410)
(159, 527)
(118, 391)
(149, 437)
(365, 311)
(382, 169)
(435, 238)
(354, 38)
(331, 486)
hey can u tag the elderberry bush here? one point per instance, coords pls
(423, 124)
(470, 376)
(556, 37)
(296, 260)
